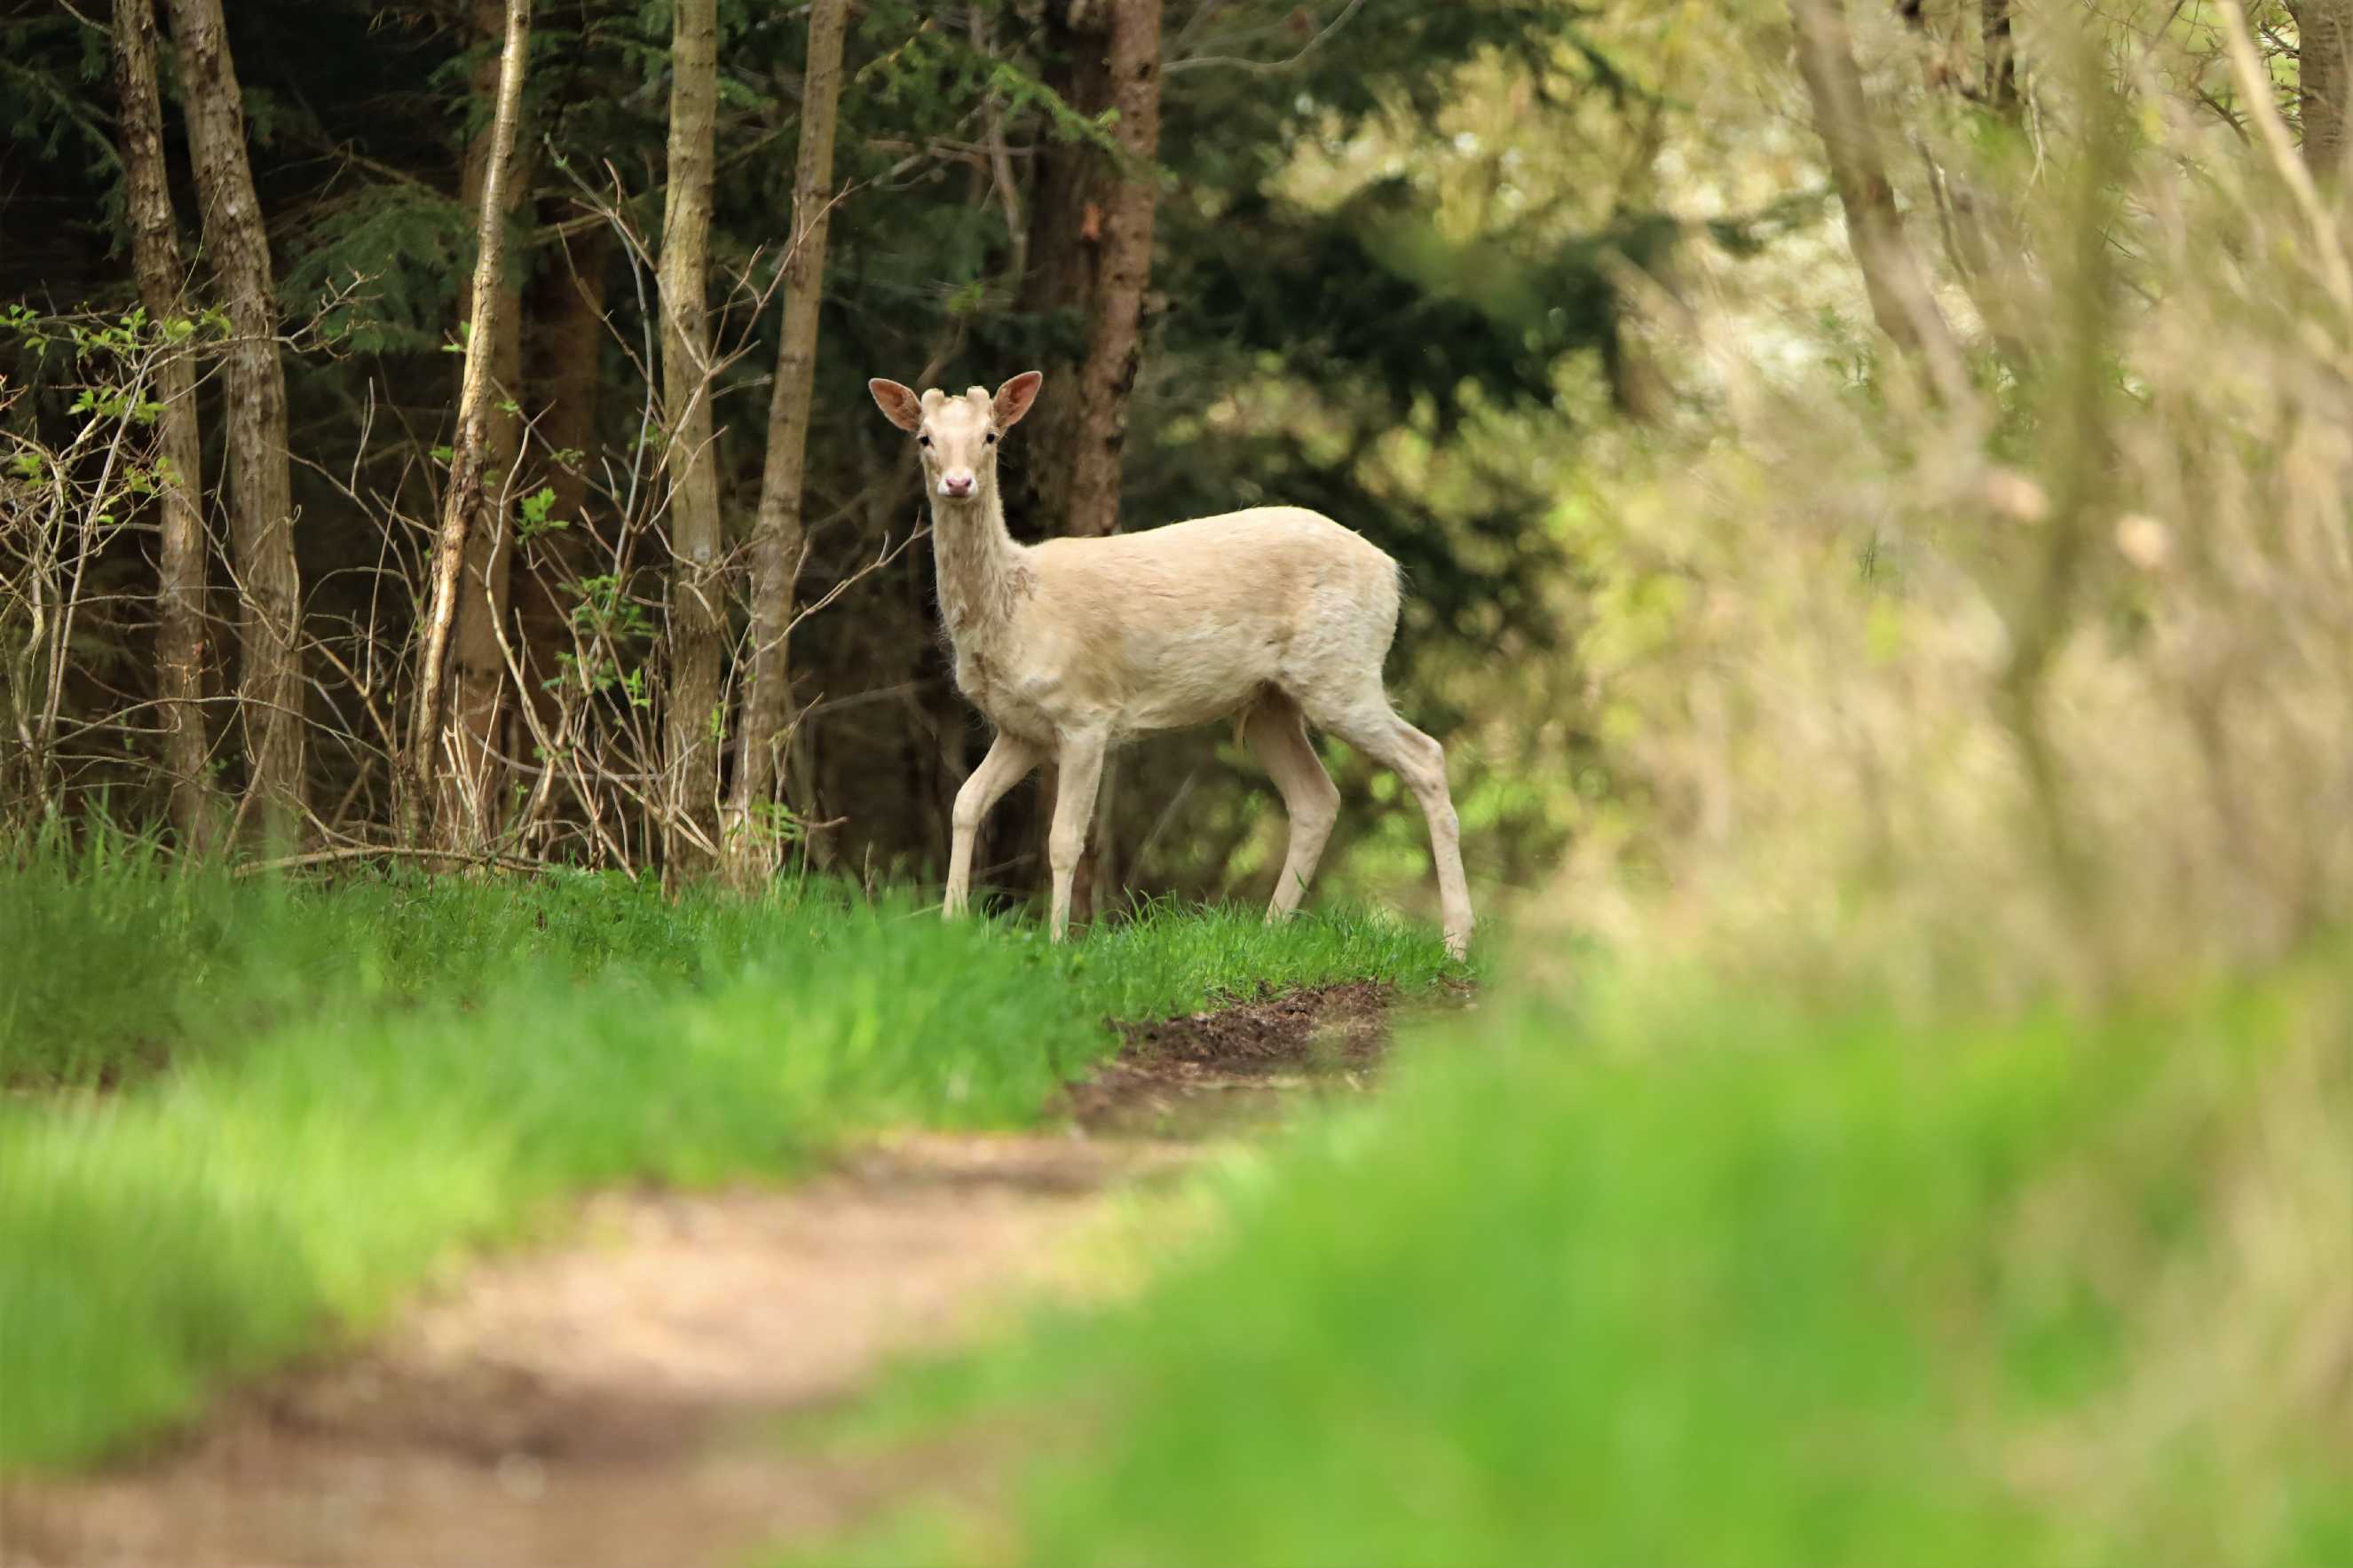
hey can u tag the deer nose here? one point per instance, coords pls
(956, 484)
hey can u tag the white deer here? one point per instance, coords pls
(1071, 647)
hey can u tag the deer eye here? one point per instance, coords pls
(990, 439)
(923, 440)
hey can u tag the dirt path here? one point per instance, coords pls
(614, 1400)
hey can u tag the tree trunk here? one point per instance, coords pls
(465, 804)
(1638, 388)
(1893, 275)
(567, 338)
(696, 591)
(1065, 228)
(261, 513)
(1065, 231)
(2324, 32)
(2000, 59)
(777, 534)
(1090, 251)
(468, 498)
(195, 805)
(1128, 196)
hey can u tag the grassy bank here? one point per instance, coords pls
(364, 1079)
(1709, 1282)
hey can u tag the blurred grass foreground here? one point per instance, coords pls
(1695, 1277)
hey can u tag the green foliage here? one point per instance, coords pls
(405, 248)
(536, 515)
(1367, 298)
(1226, 126)
(614, 627)
(50, 69)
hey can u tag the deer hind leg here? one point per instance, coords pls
(1367, 723)
(1277, 732)
(1077, 772)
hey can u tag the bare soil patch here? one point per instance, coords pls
(614, 1400)
(610, 1401)
(1241, 1068)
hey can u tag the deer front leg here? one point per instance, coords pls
(1079, 767)
(1008, 762)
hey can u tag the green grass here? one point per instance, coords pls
(1699, 1281)
(113, 961)
(366, 1078)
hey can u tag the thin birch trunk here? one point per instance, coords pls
(465, 803)
(261, 510)
(466, 500)
(696, 589)
(196, 808)
(777, 533)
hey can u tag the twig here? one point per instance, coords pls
(1267, 68)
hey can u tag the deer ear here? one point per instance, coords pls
(1014, 398)
(899, 403)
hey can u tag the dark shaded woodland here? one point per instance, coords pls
(997, 200)
(308, 542)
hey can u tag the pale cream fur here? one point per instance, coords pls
(1073, 645)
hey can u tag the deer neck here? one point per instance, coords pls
(984, 575)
